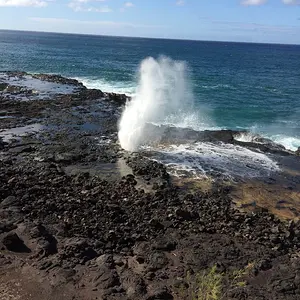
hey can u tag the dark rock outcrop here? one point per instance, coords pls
(13, 243)
(134, 235)
(57, 79)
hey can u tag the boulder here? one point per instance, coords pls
(6, 227)
(3, 86)
(8, 202)
(13, 243)
(91, 94)
(119, 99)
(160, 293)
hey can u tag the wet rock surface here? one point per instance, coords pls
(86, 236)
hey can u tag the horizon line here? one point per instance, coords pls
(150, 38)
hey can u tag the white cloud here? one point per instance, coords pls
(291, 2)
(81, 5)
(128, 4)
(180, 2)
(104, 9)
(253, 2)
(86, 1)
(23, 3)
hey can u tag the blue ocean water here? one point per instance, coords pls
(239, 85)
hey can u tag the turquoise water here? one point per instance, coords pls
(238, 85)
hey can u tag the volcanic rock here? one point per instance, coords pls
(8, 202)
(13, 243)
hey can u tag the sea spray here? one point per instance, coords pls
(163, 95)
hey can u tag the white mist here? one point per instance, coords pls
(163, 96)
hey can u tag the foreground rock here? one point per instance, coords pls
(122, 243)
(82, 219)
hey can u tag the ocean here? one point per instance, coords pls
(234, 85)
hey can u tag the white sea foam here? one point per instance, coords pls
(244, 137)
(248, 137)
(6, 117)
(199, 159)
(217, 86)
(163, 96)
(118, 87)
(289, 142)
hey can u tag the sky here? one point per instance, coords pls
(271, 21)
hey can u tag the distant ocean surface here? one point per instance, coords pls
(237, 85)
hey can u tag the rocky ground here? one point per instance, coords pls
(82, 219)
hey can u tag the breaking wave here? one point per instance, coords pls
(118, 87)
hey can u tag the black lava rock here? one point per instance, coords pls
(13, 243)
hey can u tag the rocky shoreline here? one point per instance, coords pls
(82, 219)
